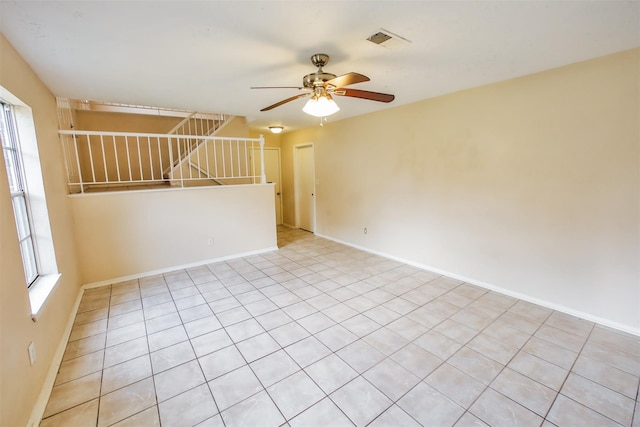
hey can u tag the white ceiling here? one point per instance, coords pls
(205, 55)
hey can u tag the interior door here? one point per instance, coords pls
(272, 172)
(305, 188)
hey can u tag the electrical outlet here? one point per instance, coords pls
(32, 353)
(210, 241)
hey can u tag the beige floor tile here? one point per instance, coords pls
(391, 379)
(360, 355)
(475, 364)
(127, 401)
(84, 346)
(210, 342)
(256, 347)
(72, 393)
(88, 329)
(82, 415)
(323, 413)
(360, 401)
(309, 319)
(470, 420)
(385, 341)
(125, 373)
(330, 373)
(167, 338)
(462, 388)
(91, 316)
(126, 351)
(169, 357)
(234, 387)
(550, 352)
(177, 380)
(288, 333)
(599, 398)
(295, 393)
(189, 408)
(307, 351)
(79, 367)
(126, 333)
(608, 376)
(275, 367)
(257, 410)
(336, 337)
(147, 418)
(221, 362)
(527, 392)
(495, 409)
(567, 412)
(417, 360)
(540, 370)
(394, 416)
(438, 344)
(202, 326)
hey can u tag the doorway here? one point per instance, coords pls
(304, 187)
(273, 174)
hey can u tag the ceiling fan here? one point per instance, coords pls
(321, 86)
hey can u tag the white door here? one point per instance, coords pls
(272, 172)
(305, 188)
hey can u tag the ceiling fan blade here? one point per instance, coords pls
(365, 94)
(347, 79)
(276, 87)
(277, 104)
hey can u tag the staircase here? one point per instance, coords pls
(193, 153)
(189, 133)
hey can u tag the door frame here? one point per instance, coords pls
(257, 181)
(296, 183)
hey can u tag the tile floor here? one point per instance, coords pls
(320, 334)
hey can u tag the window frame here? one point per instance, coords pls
(19, 193)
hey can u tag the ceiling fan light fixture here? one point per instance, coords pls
(276, 129)
(321, 106)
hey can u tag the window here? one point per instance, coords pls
(19, 195)
(21, 157)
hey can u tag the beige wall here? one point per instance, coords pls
(21, 383)
(529, 185)
(270, 139)
(130, 233)
(124, 122)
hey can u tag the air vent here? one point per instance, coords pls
(379, 37)
(388, 40)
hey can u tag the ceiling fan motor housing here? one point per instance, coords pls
(318, 78)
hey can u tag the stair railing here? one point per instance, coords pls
(114, 159)
(196, 124)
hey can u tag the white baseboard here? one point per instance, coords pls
(175, 267)
(43, 398)
(524, 297)
(45, 392)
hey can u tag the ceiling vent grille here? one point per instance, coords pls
(379, 37)
(388, 40)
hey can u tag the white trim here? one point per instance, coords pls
(155, 190)
(277, 149)
(39, 292)
(524, 297)
(296, 184)
(47, 386)
(174, 268)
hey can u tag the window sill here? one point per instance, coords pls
(39, 292)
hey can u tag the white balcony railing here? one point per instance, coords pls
(111, 159)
